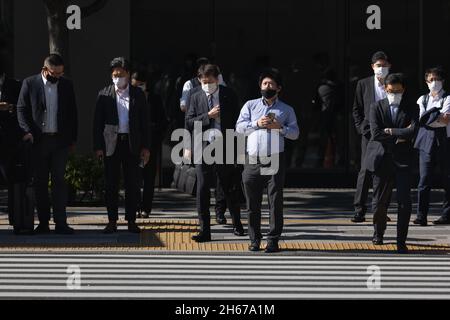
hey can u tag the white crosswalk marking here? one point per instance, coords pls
(177, 276)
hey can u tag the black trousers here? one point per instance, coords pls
(427, 162)
(129, 163)
(148, 177)
(221, 200)
(363, 183)
(254, 184)
(207, 176)
(50, 159)
(384, 181)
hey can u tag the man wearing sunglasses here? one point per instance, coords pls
(47, 113)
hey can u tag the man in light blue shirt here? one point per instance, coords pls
(266, 122)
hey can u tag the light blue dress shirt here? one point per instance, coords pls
(259, 141)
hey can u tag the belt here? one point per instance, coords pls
(49, 134)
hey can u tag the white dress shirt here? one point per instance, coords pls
(380, 92)
(50, 124)
(123, 108)
(436, 102)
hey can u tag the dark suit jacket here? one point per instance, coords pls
(428, 136)
(10, 132)
(382, 145)
(198, 111)
(364, 98)
(139, 119)
(31, 109)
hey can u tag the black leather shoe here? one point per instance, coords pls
(358, 218)
(254, 246)
(220, 218)
(145, 214)
(42, 228)
(378, 235)
(238, 232)
(402, 248)
(63, 229)
(378, 241)
(111, 227)
(133, 227)
(272, 246)
(388, 219)
(421, 221)
(202, 237)
(442, 221)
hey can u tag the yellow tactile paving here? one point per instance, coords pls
(175, 235)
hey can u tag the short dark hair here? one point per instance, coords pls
(202, 61)
(139, 75)
(54, 60)
(271, 73)
(395, 78)
(208, 70)
(439, 71)
(120, 62)
(379, 55)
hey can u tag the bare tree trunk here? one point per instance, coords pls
(58, 34)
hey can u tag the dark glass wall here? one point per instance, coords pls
(310, 42)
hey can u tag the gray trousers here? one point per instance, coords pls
(50, 158)
(254, 184)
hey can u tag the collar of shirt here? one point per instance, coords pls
(438, 96)
(46, 82)
(123, 92)
(264, 101)
(215, 94)
(378, 83)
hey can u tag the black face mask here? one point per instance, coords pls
(269, 93)
(51, 79)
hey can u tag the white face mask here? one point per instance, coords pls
(120, 82)
(435, 86)
(209, 88)
(381, 72)
(395, 98)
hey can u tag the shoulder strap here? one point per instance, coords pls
(195, 83)
(444, 96)
(425, 101)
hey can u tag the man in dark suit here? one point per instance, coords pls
(368, 91)
(47, 113)
(214, 107)
(158, 126)
(393, 124)
(10, 132)
(122, 139)
(431, 142)
(190, 87)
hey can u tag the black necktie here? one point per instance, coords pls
(210, 106)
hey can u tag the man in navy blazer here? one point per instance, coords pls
(47, 113)
(393, 123)
(432, 144)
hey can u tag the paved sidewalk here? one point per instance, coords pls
(315, 220)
